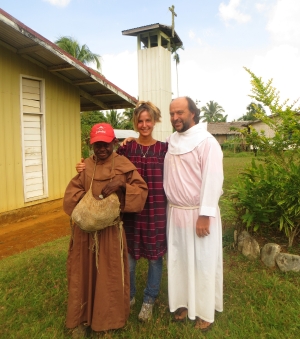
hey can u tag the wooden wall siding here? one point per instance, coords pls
(155, 85)
(62, 117)
(63, 125)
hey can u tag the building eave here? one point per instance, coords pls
(27, 43)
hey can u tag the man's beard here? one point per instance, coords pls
(185, 126)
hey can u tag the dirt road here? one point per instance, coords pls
(32, 230)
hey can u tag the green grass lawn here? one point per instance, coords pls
(258, 302)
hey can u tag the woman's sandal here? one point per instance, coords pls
(203, 325)
(180, 314)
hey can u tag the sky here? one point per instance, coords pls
(220, 38)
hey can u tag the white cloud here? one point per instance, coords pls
(208, 32)
(59, 3)
(282, 64)
(284, 24)
(260, 6)
(193, 37)
(208, 74)
(231, 12)
(122, 70)
(217, 73)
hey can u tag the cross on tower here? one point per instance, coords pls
(173, 14)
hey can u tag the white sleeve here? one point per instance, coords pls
(212, 177)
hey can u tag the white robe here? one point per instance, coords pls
(193, 178)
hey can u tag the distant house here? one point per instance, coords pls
(222, 131)
(259, 126)
(42, 92)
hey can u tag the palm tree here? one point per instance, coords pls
(213, 112)
(176, 58)
(115, 119)
(128, 117)
(81, 53)
(252, 109)
(222, 119)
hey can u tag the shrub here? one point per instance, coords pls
(268, 192)
(267, 195)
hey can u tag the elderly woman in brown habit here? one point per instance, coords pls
(98, 280)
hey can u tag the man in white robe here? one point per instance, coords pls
(193, 178)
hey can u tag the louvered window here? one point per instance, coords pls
(34, 146)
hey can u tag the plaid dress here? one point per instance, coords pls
(146, 231)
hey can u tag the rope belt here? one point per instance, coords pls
(184, 207)
(121, 249)
(95, 246)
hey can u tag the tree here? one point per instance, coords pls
(128, 118)
(267, 193)
(81, 53)
(252, 110)
(176, 58)
(115, 119)
(88, 120)
(91, 118)
(213, 112)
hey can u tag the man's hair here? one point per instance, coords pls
(193, 109)
(148, 106)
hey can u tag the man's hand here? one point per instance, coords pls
(80, 166)
(202, 226)
(112, 187)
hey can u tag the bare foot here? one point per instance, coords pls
(203, 325)
(180, 314)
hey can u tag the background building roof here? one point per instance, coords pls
(217, 128)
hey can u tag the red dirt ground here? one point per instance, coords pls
(24, 232)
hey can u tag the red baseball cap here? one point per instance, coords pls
(102, 132)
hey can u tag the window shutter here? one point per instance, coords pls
(33, 141)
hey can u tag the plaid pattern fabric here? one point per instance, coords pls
(146, 231)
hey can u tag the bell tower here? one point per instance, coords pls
(154, 45)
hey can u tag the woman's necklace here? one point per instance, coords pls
(144, 154)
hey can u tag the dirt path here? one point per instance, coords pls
(27, 232)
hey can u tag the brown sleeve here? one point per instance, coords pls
(136, 192)
(74, 192)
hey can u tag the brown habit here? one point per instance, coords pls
(98, 297)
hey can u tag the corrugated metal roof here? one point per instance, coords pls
(164, 28)
(96, 92)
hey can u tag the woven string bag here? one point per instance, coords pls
(93, 215)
